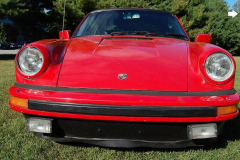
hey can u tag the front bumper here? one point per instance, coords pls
(134, 106)
(124, 120)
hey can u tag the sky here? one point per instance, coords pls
(231, 2)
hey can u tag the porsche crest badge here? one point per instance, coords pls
(122, 76)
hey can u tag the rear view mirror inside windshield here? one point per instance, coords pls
(131, 16)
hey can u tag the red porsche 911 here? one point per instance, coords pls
(127, 77)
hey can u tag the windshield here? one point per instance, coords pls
(131, 22)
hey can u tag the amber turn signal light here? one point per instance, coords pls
(227, 109)
(20, 102)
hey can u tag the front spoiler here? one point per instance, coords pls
(125, 143)
(123, 134)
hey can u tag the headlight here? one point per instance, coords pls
(29, 61)
(219, 66)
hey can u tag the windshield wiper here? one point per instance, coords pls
(145, 33)
(176, 35)
(117, 33)
(140, 33)
(152, 34)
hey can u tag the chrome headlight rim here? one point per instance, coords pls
(21, 54)
(45, 61)
(219, 78)
(202, 66)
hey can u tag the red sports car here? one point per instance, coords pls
(127, 77)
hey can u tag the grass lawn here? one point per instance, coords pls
(17, 143)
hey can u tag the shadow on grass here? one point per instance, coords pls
(231, 132)
(7, 56)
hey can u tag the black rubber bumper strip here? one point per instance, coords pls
(116, 110)
(130, 92)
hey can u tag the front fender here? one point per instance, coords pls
(55, 50)
(196, 81)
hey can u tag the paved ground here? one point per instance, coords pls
(8, 52)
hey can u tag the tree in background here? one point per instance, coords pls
(75, 11)
(10, 8)
(225, 30)
(2, 33)
(33, 21)
(210, 17)
(29, 16)
(236, 6)
(122, 3)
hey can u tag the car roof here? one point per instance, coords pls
(139, 9)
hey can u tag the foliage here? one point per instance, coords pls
(2, 33)
(11, 8)
(29, 16)
(34, 20)
(122, 3)
(75, 10)
(210, 17)
(236, 6)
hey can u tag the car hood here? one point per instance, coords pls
(129, 63)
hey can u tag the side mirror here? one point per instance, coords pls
(203, 38)
(65, 34)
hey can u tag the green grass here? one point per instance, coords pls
(17, 143)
